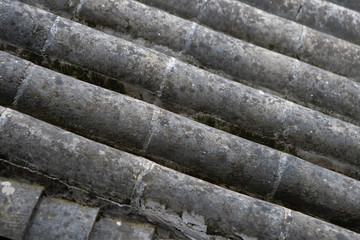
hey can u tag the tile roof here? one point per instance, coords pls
(27, 214)
(277, 83)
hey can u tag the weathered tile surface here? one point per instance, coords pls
(17, 202)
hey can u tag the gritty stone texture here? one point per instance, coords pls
(71, 157)
(255, 110)
(106, 228)
(131, 63)
(55, 98)
(351, 4)
(63, 7)
(313, 196)
(192, 147)
(24, 25)
(252, 174)
(130, 16)
(152, 189)
(164, 196)
(198, 149)
(258, 27)
(60, 219)
(85, 108)
(240, 59)
(321, 15)
(108, 209)
(176, 207)
(326, 90)
(17, 202)
(284, 8)
(252, 25)
(106, 54)
(266, 115)
(311, 228)
(332, 19)
(263, 29)
(184, 8)
(11, 75)
(339, 56)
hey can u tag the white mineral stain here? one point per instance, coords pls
(194, 221)
(7, 189)
(155, 206)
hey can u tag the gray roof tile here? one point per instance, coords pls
(116, 229)
(157, 51)
(17, 201)
(59, 219)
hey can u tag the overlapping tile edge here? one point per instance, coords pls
(186, 216)
(163, 195)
